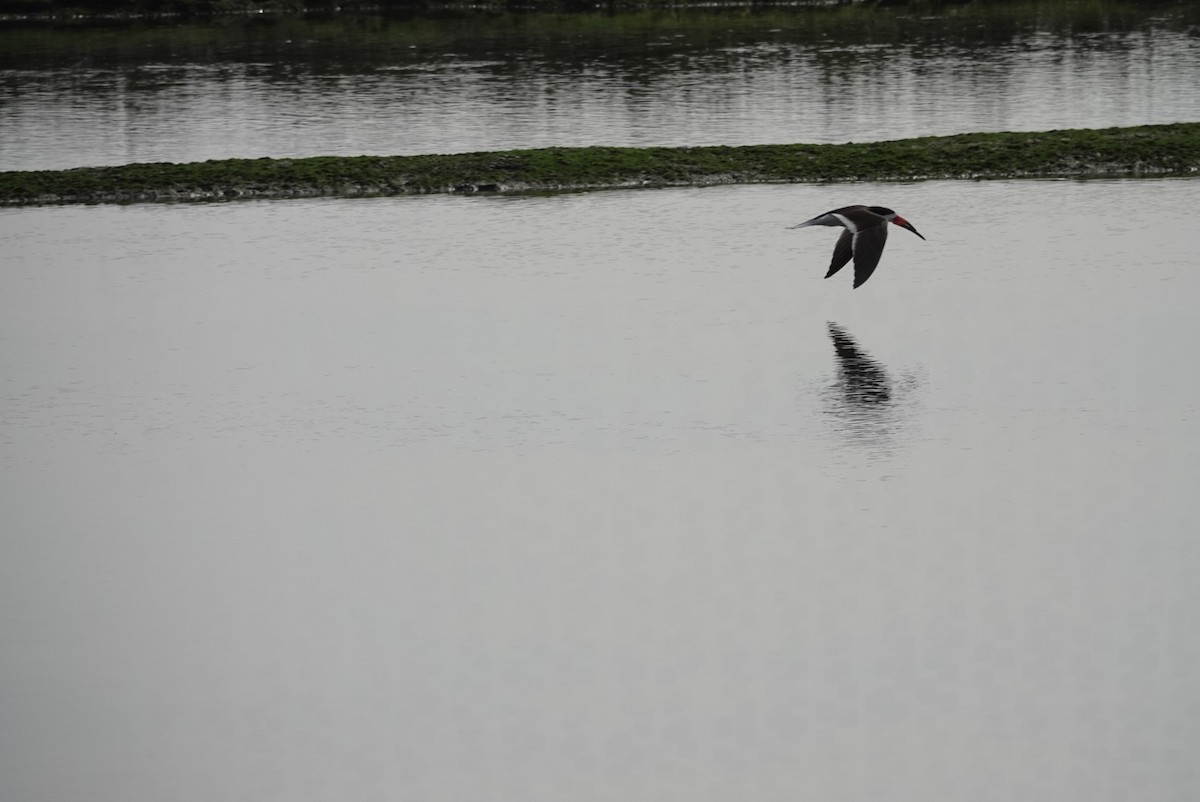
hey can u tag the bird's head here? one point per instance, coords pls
(892, 217)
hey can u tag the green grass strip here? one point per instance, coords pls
(1144, 151)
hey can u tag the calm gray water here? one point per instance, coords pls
(602, 496)
(359, 85)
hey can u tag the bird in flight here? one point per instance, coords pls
(865, 235)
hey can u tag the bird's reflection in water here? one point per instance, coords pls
(864, 401)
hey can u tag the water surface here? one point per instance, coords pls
(457, 83)
(601, 496)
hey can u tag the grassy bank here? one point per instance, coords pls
(1158, 150)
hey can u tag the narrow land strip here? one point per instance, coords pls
(1143, 151)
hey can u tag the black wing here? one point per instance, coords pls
(841, 252)
(868, 247)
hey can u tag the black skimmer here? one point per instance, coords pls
(865, 235)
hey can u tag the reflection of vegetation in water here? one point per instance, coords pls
(1113, 152)
(351, 41)
(633, 46)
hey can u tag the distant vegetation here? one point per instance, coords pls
(211, 7)
(198, 8)
(1157, 150)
